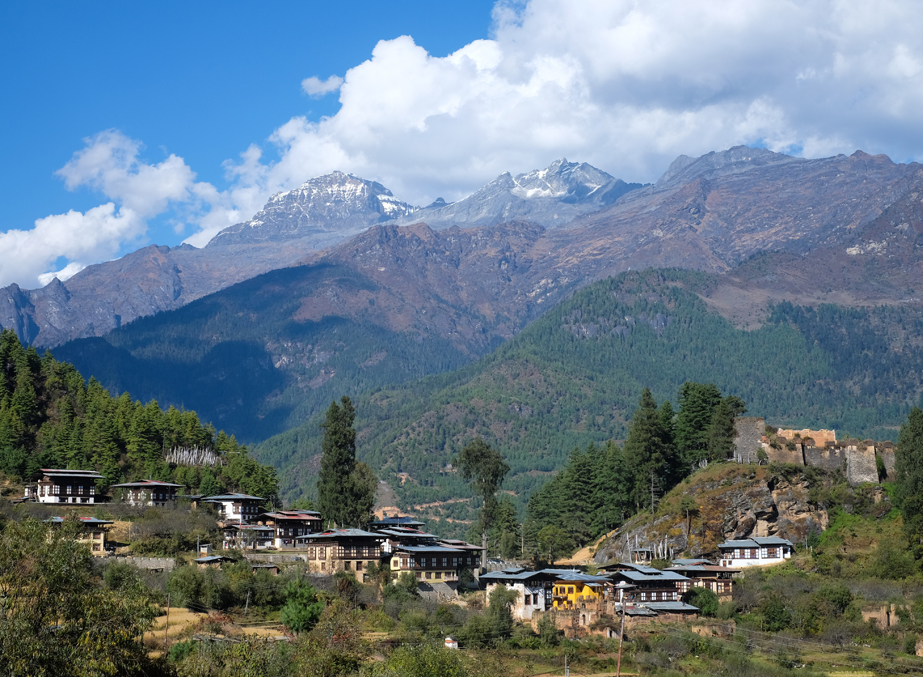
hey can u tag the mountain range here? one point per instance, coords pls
(260, 329)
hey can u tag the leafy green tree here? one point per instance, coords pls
(499, 613)
(55, 617)
(909, 486)
(422, 660)
(302, 607)
(484, 468)
(704, 599)
(553, 542)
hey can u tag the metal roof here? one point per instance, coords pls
(288, 515)
(146, 483)
(398, 520)
(578, 576)
(686, 562)
(71, 473)
(84, 520)
(233, 497)
(640, 568)
(671, 606)
(427, 548)
(408, 534)
(661, 576)
(500, 576)
(702, 568)
(755, 542)
(339, 533)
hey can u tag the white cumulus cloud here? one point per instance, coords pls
(317, 87)
(626, 86)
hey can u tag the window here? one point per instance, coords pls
(445, 561)
(454, 561)
(570, 590)
(359, 565)
(643, 596)
(80, 490)
(429, 574)
(438, 574)
(528, 600)
(69, 488)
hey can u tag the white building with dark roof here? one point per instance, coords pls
(756, 551)
(65, 486)
(234, 507)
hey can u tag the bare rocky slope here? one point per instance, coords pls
(733, 502)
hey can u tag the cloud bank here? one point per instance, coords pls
(626, 86)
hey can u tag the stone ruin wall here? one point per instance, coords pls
(855, 457)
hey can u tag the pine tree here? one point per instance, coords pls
(909, 471)
(345, 489)
(645, 454)
(697, 404)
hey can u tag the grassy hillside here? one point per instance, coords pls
(246, 362)
(575, 376)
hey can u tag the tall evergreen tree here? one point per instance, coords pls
(345, 488)
(697, 404)
(909, 471)
(337, 462)
(721, 432)
(645, 454)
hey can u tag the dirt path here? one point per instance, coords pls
(585, 555)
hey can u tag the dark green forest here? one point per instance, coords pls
(574, 376)
(241, 360)
(51, 418)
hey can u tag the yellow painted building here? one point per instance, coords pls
(576, 589)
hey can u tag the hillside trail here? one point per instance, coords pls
(585, 555)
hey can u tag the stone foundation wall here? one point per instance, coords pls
(860, 464)
(829, 458)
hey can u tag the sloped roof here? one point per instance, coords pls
(427, 548)
(72, 473)
(687, 562)
(340, 533)
(92, 521)
(672, 607)
(755, 542)
(232, 497)
(702, 568)
(403, 521)
(210, 559)
(644, 578)
(143, 484)
(640, 568)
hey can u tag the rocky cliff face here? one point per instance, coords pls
(328, 208)
(733, 502)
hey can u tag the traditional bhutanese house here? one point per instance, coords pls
(755, 551)
(573, 589)
(472, 552)
(533, 589)
(651, 586)
(427, 562)
(342, 550)
(95, 532)
(672, 611)
(397, 536)
(234, 507)
(148, 492)
(709, 576)
(389, 522)
(65, 486)
(212, 561)
(271, 568)
(290, 524)
(248, 536)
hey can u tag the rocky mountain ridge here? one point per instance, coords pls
(327, 208)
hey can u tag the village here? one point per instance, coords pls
(581, 600)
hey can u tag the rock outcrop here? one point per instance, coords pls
(733, 502)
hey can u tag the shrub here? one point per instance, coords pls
(703, 598)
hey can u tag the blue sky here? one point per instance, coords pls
(128, 123)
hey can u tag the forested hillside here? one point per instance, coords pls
(51, 418)
(248, 360)
(574, 377)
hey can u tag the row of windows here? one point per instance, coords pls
(413, 562)
(56, 490)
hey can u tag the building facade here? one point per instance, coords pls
(342, 550)
(289, 525)
(65, 486)
(755, 551)
(234, 507)
(148, 492)
(94, 532)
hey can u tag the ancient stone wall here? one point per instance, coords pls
(886, 451)
(820, 437)
(783, 454)
(749, 431)
(829, 457)
(860, 463)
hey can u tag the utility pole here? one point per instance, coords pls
(247, 605)
(566, 668)
(622, 587)
(166, 630)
